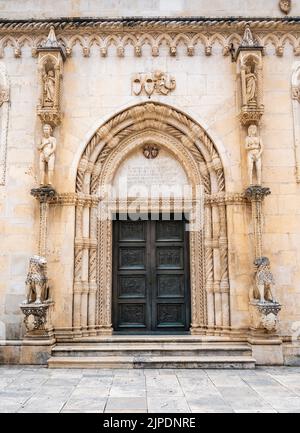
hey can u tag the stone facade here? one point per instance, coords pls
(78, 98)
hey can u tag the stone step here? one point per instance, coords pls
(228, 362)
(151, 349)
(148, 338)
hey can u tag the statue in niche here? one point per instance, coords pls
(49, 87)
(251, 86)
(254, 147)
(47, 155)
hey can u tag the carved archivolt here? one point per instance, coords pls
(4, 117)
(189, 143)
(115, 36)
(296, 115)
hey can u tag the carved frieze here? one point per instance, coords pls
(157, 82)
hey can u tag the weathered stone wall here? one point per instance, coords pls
(94, 89)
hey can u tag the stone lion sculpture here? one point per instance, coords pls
(36, 281)
(264, 280)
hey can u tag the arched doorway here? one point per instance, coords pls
(185, 141)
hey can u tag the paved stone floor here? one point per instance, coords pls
(38, 389)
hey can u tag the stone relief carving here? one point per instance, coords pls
(168, 127)
(254, 148)
(285, 6)
(264, 317)
(150, 151)
(4, 117)
(47, 149)
(36, 281)
(150, 83)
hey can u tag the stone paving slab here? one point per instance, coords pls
(38, 389)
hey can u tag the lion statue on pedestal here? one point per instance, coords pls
(36, 281)
(264, 280)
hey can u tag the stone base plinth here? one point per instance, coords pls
(264, 317)
(38, 321)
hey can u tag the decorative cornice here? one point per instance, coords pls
(102, 32)
(155, 23)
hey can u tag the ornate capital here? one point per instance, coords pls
(264, 316)
(256, 193)
(44, 194)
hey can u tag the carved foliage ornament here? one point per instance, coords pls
(150, 83)
(285, 6)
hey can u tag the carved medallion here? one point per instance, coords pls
(150, 151)
(285, 6)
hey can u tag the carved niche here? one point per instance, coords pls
(51, 55)
(250, 79)
(157, 82)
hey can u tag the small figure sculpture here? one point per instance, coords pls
(250, 86)
(36, 281)
(49, 87)
(47, 155)
(254, 147)
(263, 280)
(248, 39)
(285, 6)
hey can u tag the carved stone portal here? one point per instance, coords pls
(150, 83)
(182, 138)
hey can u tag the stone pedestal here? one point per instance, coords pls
(38, 321)
(264, 317)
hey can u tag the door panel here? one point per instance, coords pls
(150, 276)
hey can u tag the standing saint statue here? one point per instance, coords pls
(250, 86)
(47, 155)
(254, 147)
(49, 87)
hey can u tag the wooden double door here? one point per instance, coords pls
(151, 292)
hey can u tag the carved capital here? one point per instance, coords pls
(44, 194)
(256, 193)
